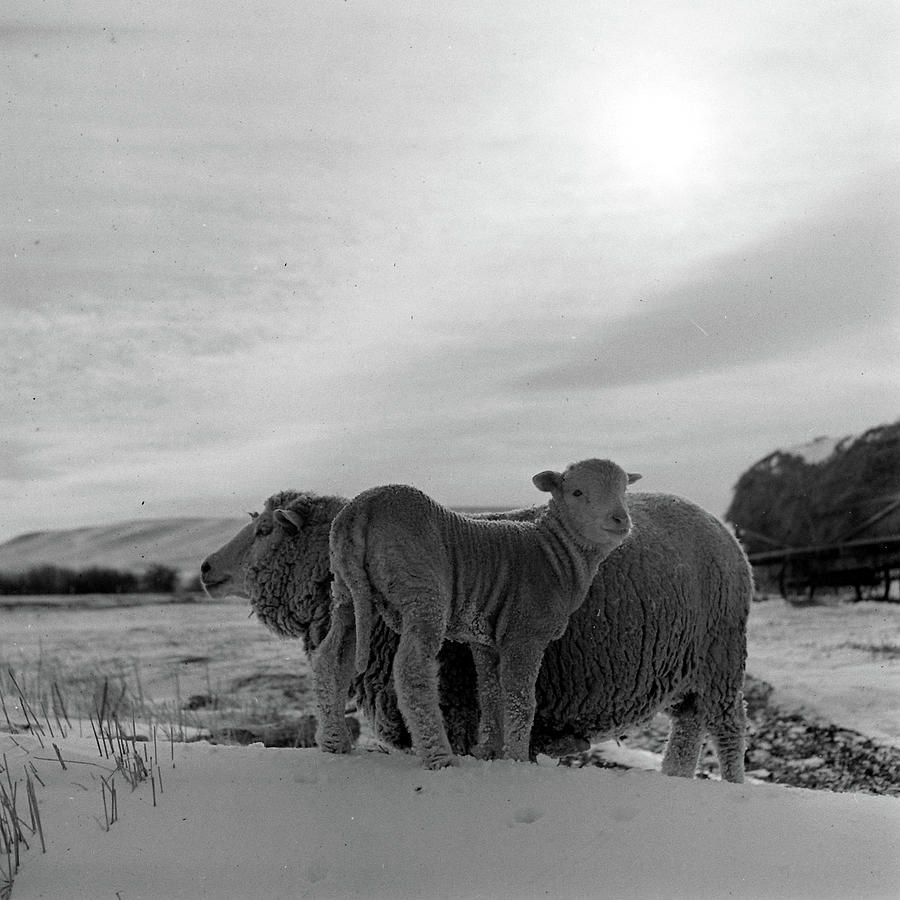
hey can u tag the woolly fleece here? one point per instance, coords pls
(663, 628)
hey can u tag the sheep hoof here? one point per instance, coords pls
(331, 743)
(516, 755)
(560, 745)
(336, 747)
(440, 762)
(485, 751)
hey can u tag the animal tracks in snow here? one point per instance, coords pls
(526, 815)
(316, 871)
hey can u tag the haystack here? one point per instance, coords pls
(822, 494)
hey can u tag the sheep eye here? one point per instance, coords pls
(263, 525)
(576, 493)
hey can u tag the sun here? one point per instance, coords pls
(660, 137)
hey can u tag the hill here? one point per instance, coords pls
(133, 546)
(180, 544)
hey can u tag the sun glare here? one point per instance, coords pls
(661, 137)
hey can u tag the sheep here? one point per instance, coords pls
(279, 561)
(663, 629)
(505, 588)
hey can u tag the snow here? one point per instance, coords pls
(252, 822)
(262, 823)
(814, 452)
(840, 662)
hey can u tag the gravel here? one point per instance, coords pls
(784, 747)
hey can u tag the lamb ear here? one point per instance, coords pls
(289, 519)
(547, 481)
(633, 477)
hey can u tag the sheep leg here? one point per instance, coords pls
(728, 732)
(519, 667)
(458, 689)
(490, 694)
(685, 739)
(416, 680)
(333, 668)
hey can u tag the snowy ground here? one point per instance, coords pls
(840, 662)
(265, 823)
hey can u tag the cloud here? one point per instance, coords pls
(840, 275)
(333, 246)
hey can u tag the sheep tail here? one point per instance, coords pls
(354, 571)
(347, 555)
(364, 611)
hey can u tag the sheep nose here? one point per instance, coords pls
(205, 567)
(620, 522)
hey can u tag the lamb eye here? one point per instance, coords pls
(576, 493)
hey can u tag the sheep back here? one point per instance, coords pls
(501, 580)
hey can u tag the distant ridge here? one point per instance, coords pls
(134, 546)
(180, 544)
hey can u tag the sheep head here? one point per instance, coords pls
(279, 561)
(589, 496)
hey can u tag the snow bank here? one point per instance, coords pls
(258, 823)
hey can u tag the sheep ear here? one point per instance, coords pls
(633, 477)
(547, 481)
(289, 519)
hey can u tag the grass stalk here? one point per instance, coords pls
(35, 728)
(96, 738)
(6, 713)
(47, 710)
(105, 809)
(59, 756)
(34, 809)
(47, 718)
(34, 772)
(62, 704)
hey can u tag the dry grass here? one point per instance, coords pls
(106, 700)
(133, 740)
(15, 828)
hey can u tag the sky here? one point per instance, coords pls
(327, 245)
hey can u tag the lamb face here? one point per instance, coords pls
(590, 498)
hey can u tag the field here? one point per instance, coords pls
(209, 656)
(213, 662)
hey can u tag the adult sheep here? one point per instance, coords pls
(663, 628)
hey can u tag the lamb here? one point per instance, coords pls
(663, 629)
(505, 588)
